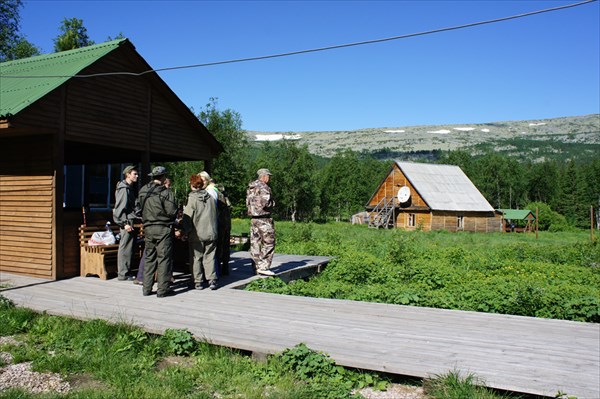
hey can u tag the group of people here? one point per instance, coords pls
(205, 224)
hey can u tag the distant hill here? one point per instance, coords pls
(573, 137)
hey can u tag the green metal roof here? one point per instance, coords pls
(516, 214)
(24, 81)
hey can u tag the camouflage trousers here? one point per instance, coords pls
(262, 242)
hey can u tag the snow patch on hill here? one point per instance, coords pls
(277, 137)
(441, 131)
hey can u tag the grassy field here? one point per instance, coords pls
(555, 276)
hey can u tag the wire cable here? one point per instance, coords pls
(314, 50)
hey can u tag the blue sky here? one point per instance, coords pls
(537, 67)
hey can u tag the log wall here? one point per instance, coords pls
(423, 220)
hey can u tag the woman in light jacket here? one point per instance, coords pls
(200, 227)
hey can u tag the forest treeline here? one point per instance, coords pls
(311, 188)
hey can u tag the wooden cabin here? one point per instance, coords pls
(69, 123)
(517, 220)
(418, 196)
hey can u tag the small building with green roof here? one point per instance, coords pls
(517, 220)
(69, 123)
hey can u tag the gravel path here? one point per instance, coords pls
(395, 391)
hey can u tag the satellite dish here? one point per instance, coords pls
(403, 194)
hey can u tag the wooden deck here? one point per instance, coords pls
(522, 354)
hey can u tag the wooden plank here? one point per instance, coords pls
(25, 203)
(26, 269)
(36, 213)
(24, 256)
(16, 235)
(25, 178)
(24, 219)
(25, 247)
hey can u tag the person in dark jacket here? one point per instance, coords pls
(125, 214)
(200, 227)
(159, 211)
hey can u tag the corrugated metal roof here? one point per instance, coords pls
(516, 214)
(17, 93)
(444, 187)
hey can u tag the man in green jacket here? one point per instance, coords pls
(125, 214)
(159, 211)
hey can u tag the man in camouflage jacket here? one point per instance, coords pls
(260, 203)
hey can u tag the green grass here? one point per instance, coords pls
(555, 276)
(456, 386)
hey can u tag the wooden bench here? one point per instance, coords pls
(99, 260)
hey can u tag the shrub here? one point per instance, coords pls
(179, 342)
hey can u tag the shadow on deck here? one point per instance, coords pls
(241, 271)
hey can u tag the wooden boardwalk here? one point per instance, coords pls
(522, 354)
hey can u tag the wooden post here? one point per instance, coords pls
(536, 222)
(592, 223)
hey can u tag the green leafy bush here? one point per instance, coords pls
(179, 342)
(318, 367)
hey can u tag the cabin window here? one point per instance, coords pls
(92, 186)
(412, 220)
(460, 222)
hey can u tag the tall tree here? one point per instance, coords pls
(230, 168)
(588, 192)
(347, 183)
(542, 185)
(567, 200)
(12, 44)
(73, 35)
(493, 176)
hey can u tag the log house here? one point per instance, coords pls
(417, 196)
